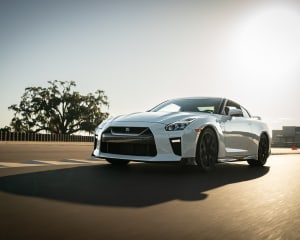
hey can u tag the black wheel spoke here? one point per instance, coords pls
(263, 152)
(208, 150)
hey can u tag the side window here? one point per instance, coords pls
(245, 113)
(230, 105)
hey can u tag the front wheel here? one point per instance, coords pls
(263, 152)
(117, 162)
(207, 150)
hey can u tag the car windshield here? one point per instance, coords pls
(209, 105)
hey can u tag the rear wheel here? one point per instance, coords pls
(207, 150)
(117, 162)
(263, 152)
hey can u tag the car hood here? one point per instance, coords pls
(158, 117)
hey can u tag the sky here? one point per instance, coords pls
(144, 52)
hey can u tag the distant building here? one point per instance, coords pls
(287, 137)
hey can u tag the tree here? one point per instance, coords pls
(5, 129)
(58, 109)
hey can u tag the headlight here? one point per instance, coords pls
(179, 125)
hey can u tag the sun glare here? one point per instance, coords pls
(264, 45)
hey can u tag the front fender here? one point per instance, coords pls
(215, 123)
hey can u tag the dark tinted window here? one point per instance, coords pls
(245, 113)
(232, 105)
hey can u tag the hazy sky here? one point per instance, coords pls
(144, 52)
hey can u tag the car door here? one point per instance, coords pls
(236, 131)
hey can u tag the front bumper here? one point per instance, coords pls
(155, 145)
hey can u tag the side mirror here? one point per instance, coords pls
(234, 112)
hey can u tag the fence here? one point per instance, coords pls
(39, 137)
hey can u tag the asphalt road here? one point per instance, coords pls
(58, 192)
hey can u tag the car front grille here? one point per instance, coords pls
(136, 141)
(128, 130)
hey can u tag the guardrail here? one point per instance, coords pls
(40, 137)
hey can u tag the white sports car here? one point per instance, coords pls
(201, 131)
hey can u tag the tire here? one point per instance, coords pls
(117, 162)
(207, 150)
(263, 152)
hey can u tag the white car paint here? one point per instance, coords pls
(238, 137)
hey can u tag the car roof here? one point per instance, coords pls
(220, 98)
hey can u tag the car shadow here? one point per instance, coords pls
(136, 185)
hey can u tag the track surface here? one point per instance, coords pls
(55, 191)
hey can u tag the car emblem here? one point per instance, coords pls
(127, 130)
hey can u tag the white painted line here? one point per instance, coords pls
(86, 161)
(10, 164)
(36, 163)
(61, 162)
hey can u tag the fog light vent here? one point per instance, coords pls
(176, 145)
